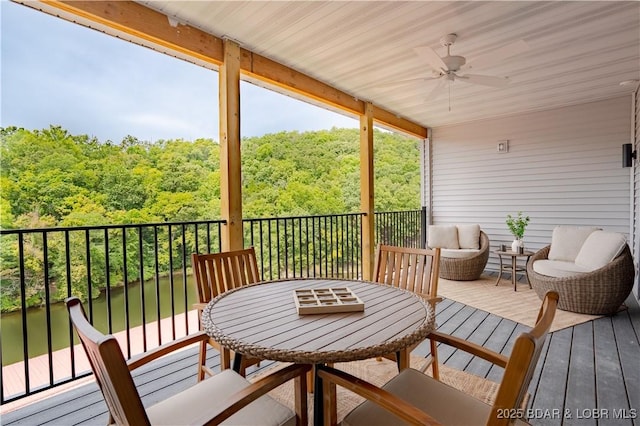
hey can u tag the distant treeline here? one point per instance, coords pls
(50, 178)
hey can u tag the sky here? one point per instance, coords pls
(54, 72)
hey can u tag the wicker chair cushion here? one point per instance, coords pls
(599, 292)
(558, 268)
(566, 241)
(443, 236)
(599, 249)
(458, 254)
(469, 236)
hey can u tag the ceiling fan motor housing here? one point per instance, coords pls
(454, 62)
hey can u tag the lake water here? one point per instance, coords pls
(11, 324)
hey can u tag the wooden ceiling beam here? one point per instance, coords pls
(134, 19)
(148, 25)
(274, 73)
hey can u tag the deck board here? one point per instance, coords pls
(553, 377)
(581, 388)
(590, 366)
(629, 353)
(609, 380)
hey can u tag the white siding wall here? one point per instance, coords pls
(564, 166)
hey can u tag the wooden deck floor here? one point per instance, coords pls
(588, 374)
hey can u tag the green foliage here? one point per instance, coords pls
(50, 178)
(517, 225)
(318, 172)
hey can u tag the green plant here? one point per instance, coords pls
(517, 225)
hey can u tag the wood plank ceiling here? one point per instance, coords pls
(579, 51)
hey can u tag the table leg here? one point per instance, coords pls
(513, 272)
(318, 402)
(500, 270)
(237, 362)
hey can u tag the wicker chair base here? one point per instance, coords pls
(600, 292)
(468, 269)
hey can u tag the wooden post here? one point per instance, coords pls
(366, 191)
(230, 161)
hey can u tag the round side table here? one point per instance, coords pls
(512, 266)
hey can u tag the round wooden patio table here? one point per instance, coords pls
(261, 321)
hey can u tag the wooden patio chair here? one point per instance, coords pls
(415, 270)
(415, 398)
(226, 395)
(215, 274)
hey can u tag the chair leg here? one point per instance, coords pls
(225, 358)
(402, 359)
(202, 360)
(330, 410)
(310, 381)
(434, 360)
(300, 398)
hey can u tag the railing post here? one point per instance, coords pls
(423, 227)
(367, 191)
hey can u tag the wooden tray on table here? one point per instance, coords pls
(327, 300)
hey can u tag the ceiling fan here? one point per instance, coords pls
(450, 68)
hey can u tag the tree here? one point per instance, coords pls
(50, 178)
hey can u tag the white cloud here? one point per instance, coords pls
(58, 73)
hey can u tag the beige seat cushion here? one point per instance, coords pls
(558, 268)
(566, 241)
(444, 403)
(469, 236)
(600, 248)
(443, 236)
(185, 408)
(458, 254)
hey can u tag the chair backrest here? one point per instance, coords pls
(412, 269)
(522, 362)
(216, 273)
(110, 369)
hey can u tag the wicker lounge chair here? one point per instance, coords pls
(598, 292)
(469, 268)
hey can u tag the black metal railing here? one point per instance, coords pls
(307, 246)
(41, 267)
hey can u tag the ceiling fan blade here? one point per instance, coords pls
(437, 90)
(484, 80)
(432, 58)
(499, 54)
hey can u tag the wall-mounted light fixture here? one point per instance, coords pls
(628, 155)
(503, 146)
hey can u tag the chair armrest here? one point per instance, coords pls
(235, 402)
(381, 397)
(165, 349)
(470, 347)
(199, 306)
